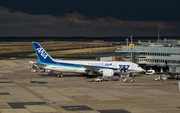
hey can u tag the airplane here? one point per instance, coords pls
(105, 68)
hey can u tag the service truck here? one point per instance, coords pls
(150, 72)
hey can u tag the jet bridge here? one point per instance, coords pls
(174, 71)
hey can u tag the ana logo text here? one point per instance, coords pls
(108, 64)
(42, 52)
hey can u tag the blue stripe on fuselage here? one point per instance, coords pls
(61, 64)
(75, 66)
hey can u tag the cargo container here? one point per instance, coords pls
(114, 78)
(105, 78)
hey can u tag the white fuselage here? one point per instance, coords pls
(75, 66)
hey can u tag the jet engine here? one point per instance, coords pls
(107, 72)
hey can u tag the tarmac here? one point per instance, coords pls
(73, 94)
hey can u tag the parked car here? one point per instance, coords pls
(150, 72)
(98, 79)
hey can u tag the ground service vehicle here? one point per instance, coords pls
(98, 79)
(161, 77)
(150, 72)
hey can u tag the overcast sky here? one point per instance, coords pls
(89, 17)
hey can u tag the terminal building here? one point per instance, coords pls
(157, 56)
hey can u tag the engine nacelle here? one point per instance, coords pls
(107, 72)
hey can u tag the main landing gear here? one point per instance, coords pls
(60, 75)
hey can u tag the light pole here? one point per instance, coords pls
(127, 43)
(131, 47)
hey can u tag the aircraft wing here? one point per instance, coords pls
(88, 67)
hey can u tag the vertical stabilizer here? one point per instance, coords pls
(42, 55)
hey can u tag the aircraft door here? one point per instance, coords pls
(132, 66)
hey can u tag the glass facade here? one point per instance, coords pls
(127, 56)
(150, 55)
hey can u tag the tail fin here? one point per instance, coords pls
(42, 55)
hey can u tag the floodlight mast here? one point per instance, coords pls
(131, 47)
(127, 43)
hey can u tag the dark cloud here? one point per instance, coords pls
(22, 24)
(89, 17)
(153, 10)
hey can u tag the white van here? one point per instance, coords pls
(150, 72)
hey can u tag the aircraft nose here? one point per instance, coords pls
(142, 70)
